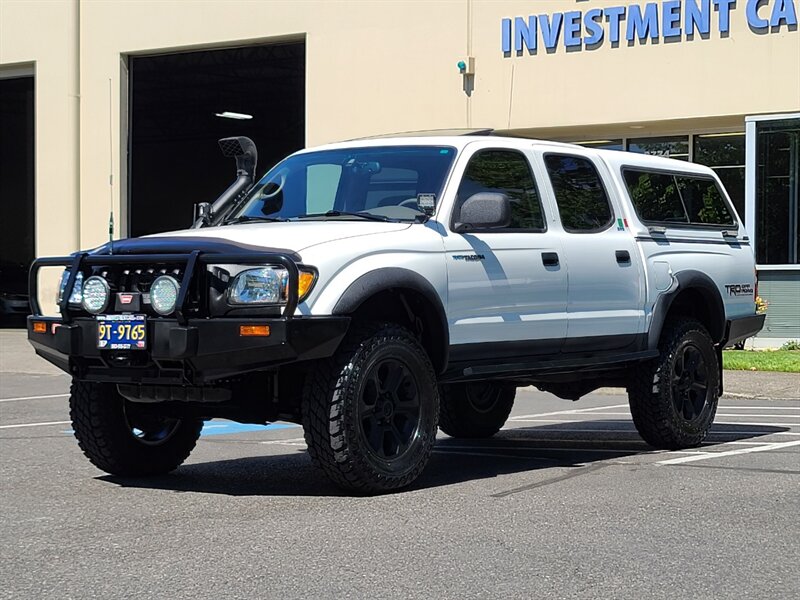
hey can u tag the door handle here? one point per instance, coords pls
(550, 259)
(623, 257)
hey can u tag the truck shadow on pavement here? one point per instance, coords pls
(454, 461)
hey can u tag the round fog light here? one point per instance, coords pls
(95, 295)
(164, 294)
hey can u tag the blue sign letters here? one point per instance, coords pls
(652, 21)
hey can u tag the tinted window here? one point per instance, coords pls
(704, 202)
(655, 196)
(506, 172)
(666, 198)
(581, 197)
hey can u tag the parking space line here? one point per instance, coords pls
(634, 432)
(759, 416)
(709, 455)
(737, 443)
(749, 416)
(610, 421)
(34, 424)
(287, 442)
(551, 449)
(574, 411)
(765, 407)
(34, 397)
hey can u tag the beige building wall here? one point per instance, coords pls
(373, 66)
(43, 37)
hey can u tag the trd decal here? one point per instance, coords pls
(739, 289)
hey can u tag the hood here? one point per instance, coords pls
(292, 236)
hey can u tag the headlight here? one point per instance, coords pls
(268, 285)
(164, 294)
(77, 291)
(95, 295)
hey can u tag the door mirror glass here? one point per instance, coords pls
(484, 210)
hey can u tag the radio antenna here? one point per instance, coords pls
(110, 174)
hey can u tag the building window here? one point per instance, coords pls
(603, 144)
(724, 152)
(778, 192)
(669, 147)
(580, 195)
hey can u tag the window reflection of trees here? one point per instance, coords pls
(659, 197)
(505, 172)
(582, 201)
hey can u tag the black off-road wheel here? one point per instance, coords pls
(674, 398)
(121, 438)
(475, 410)
(370, 412)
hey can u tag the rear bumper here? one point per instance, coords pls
(197, 352)
(742, 328)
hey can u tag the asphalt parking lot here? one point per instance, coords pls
(566, 502)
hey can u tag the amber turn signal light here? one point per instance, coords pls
(39, 327)
(254, 330)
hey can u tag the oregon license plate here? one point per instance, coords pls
(121, 332)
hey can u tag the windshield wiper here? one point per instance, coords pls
(249, 219)
(343, 213)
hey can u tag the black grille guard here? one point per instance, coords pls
(77, 261)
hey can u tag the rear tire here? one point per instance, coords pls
(118, 437)
(475, 410)
(370, 412)
(674, 398)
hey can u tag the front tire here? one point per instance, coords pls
(475, 410)
(370, 412)
(674, 398)
(118, 437)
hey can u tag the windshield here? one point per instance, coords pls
(377, 183)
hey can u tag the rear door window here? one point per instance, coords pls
(582, 200)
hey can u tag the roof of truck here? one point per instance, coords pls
(614, 158)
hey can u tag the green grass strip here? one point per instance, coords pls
(785, 361)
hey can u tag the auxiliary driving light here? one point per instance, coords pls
(95, 295)
(164, 294)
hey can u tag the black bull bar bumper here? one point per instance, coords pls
(181, 350)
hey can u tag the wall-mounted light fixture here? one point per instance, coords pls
(467, 67)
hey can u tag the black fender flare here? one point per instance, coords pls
(689, 279)
(397, 278)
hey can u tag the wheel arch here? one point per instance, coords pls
(395, 293)
(696, 296)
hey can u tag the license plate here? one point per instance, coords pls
(122, 332)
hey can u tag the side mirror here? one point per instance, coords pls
(485, 210)
(201, 214)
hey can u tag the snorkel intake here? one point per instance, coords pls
(243, 149)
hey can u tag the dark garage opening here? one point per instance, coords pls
(174, 158)
(16, 194)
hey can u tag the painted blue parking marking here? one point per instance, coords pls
(220, 427)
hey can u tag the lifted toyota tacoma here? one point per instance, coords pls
(374, 291)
